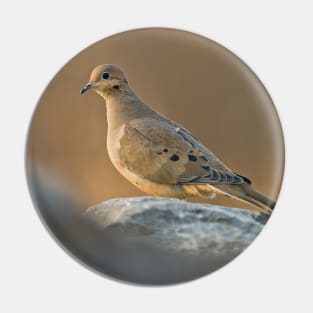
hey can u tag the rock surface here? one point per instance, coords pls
(146, 240)
(180, 226)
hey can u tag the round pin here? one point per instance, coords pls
(155, 156)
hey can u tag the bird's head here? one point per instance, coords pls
(106, 79)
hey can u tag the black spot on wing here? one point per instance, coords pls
(174, 157)
(164, 150)
(203, 158)
(207, 168)
(192, 158)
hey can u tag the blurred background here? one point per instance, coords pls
(190, 79)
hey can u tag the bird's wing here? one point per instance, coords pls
(168, 154)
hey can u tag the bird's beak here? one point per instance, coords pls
(87, 87)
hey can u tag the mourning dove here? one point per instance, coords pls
(158, 155)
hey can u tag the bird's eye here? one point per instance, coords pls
(105, 75)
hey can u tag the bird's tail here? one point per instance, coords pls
(246, 193)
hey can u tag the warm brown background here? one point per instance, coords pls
(189, 78)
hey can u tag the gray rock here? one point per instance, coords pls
(152, 241)
(177, 225)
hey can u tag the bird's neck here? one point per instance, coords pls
(123, 106)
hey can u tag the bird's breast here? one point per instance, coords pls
(149, 187)
(113, 145)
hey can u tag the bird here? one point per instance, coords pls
(159, 156)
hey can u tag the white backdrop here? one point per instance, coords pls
(274, 38)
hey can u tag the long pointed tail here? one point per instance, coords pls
(246, 193)
(260, 197)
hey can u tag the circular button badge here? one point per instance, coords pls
(155, 156)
